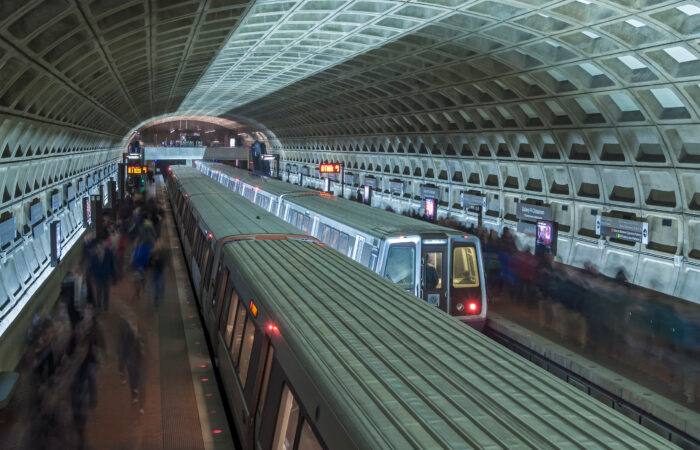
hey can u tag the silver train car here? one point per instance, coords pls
(437, 264)
(311, 359)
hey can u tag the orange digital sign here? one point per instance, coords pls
(136, 170)
(329, 168)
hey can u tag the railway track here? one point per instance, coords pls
(642, 417)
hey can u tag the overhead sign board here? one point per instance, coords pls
(627, 230)
(527, 228)
(371, 182)
(133, 156)
(136, 170)
(396, 187)
(70, 193)
(329, 168)
(430, 192)
(305, 171)
(8, 231)
(269, 157)
(35, 213)
(473, 200)
(81, 186)
(533, 213)
(55, 201)
(349, 179)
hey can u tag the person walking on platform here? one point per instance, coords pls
(83, 389)
(129, 349)
(102, 271)
(158, 263)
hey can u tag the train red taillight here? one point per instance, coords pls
(272, 328)
(473, 307)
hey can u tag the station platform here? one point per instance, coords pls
(179, 404)
(648, 392)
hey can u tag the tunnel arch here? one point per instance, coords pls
(592, 106)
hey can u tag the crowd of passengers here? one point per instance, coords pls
(641, 328)
(67, 347)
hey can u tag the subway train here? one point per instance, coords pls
(316, 351)
(438, 264)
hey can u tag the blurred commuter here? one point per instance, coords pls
(130, 349)
(158, 262)
(102, 271)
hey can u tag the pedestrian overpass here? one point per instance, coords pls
(192, 153)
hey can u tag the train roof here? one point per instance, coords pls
(227, 214)
(398, 373)
(372, 221)
(271, 185)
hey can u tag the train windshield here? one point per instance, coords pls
(400, 265)
(465, 269)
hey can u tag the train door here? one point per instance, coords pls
(465, 275)
(433, 271)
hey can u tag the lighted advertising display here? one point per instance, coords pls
(430, 208)
(326, 185)
(367, 197)
(546, 238)
(56, 242)
(329, 168)
(87, 216)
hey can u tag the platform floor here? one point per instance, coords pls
(648, 385)
(181, 404)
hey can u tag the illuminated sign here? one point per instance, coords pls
(430, 208)
(627, 230)
(533, 212)
(329, 168)
(136, 170)
(546, 238)
(87, 217)
(253, 309)
(326, 185)
(367, 197)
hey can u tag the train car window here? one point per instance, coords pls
(222, 289)
(343, 243)
(265, 380)
(210, 260)
(366, 254)
(217, 283)
(308, 439)
(247, 347)
(263, 391)
(233, 306)
(241, 317)
(465, 270)
(335, 234)
(400, 265)
(287, 418)
(326, 235)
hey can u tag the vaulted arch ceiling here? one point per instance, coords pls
(594, 101)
